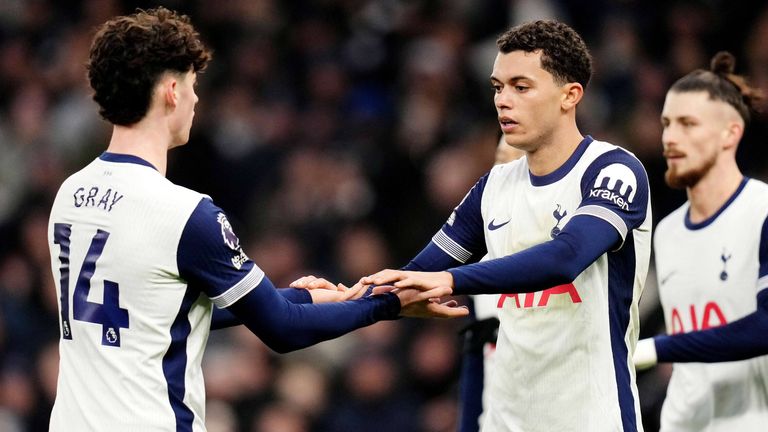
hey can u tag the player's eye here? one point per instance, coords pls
(521, 88)
(496, 87)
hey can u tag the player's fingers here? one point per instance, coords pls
(321, 283)
(302, 282)
(413, 282)
(353, 293)
(445, 311)
(438, 292)
(382, 289)
(383, 277)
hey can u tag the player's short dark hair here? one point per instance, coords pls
(721, 84)
(128, 55)
(563, 52)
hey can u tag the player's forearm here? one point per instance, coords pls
(223, 318)
(739, 340)
(432, 258)
(285, 326)
(296, 295)
(543, 266)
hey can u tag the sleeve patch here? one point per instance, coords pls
(616, 183)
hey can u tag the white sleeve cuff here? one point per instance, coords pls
(645, 354)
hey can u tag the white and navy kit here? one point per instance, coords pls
(711, 274)
(139, 264)
(569, 251)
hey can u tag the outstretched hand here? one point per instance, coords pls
(426, 304)
(323, 291)
(423, 281)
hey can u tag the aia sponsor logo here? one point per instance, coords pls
(540, 298)
(698, 318)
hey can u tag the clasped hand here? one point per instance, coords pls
(423, 281)
(416, 301)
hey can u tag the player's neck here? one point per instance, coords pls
(713, 190)
(554, 151)
(142, 140)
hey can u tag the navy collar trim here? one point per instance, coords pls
(697, 226)
(565, 168)
(125, 158)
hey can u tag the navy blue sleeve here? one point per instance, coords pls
(284, 326)
(461, 237)
(209, 254)
(211, 260)
(615, 188)
(432, 258)
(296, 295)
(738, 340)
(222, 318)
(762, 276)
(552, 263)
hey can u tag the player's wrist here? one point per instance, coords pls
(645, 354)
(457, 281)
(391, 308)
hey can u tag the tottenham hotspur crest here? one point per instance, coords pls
(559, 214)
(230, 239)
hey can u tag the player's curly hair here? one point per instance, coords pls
(563, 52)
(128, 55)
(722, 84)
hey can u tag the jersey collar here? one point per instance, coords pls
(564, 168)
(125, 158)
(696, 226)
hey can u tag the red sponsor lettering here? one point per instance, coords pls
(528, 300)
(712, 316)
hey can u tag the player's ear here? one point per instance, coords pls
(169, 91)
(571, 95)
(732, 134)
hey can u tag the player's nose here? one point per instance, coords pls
(669, 138)
(502, 99)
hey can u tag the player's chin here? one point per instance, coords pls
(678, 179)
(180, 140)
(518, 139)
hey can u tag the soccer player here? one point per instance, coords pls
(141, 262)
(712, 261)
(566, 231)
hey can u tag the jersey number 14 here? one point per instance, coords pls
(108, 313)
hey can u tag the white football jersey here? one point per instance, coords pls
(709, 276)
(564, 355)
(486, 306)
(133, 327)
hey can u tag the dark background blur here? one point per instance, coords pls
(338, 135)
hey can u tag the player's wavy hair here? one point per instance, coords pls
(722, 85)
(563, 52)
(128, 55)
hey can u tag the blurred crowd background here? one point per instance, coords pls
(338, 135)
